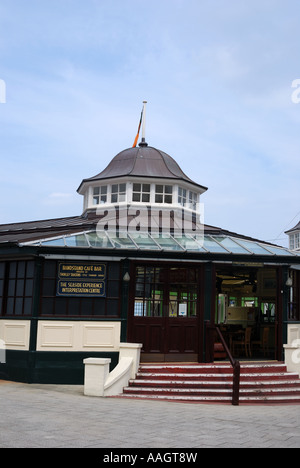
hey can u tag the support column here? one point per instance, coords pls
(34, 320)
(209, 308)
(125, 281)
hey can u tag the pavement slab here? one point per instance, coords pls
(60, 416)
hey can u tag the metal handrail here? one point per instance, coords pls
(236, 370)
(210, 327)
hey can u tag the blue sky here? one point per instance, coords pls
(217, 75)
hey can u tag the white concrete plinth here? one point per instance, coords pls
(96, 371)
(131, 350)
(98, 381)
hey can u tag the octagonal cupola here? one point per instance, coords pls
(141, 176)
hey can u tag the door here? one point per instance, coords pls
(165, 312)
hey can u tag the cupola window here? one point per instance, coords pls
(118, 193)
(193, 200)
(163, 193)
(141, 193)
(295, 241)
(181, 196)
(100, 195)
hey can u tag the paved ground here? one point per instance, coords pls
(52, 416)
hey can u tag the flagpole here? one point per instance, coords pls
(143, 142)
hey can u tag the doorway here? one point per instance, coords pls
(164, 312)
(247, 310)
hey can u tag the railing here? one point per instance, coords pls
(211, 329)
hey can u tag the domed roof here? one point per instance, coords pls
(143, 161)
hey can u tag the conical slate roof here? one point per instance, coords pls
(143, 161)
(296, 228)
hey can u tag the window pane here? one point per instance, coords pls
(27, 306)
(136, 187)
(136, 197)
(30, 270)
(20, 288)
(10, 306)
(13, 270)
(146, 197)
(168, 189)
(21, 269)
(159, 188)
(29, 287)
(146, 188)
(2, 269)
(19, 306)
(11, 287)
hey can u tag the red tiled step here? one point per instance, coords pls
(214, 384)
(209, 368)
(260, 382)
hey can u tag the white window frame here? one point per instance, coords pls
(101, 197)
(143, 192)
(182, 196)
(193, 200)
(164, 194)
(120, 195)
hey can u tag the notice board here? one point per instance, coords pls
(81, 279)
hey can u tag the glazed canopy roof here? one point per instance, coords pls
(81, 232)
(143, 161)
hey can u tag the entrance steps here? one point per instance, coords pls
(264, 383)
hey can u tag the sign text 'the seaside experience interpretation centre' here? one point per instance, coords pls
(85, 280)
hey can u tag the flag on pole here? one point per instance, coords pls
(138, 132)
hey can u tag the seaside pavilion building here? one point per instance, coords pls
(137, 266)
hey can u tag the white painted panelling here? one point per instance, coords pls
(15, 334)
(78, 336)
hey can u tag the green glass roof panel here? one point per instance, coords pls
(212, 246)
(78, 240)
(255, 247)
(58, 242)
(99, 240)
(121, 240)
(231, 245)
(189, 243)
(279, 251)
(144, 241)
(167, 242)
